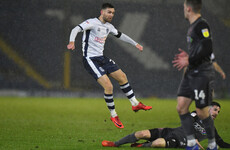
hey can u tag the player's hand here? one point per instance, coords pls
(180, 63)
(180, 60)
(71, 45)
(182, 53)
(223, 75)
(139, 47)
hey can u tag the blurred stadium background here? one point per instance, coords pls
(35, 62)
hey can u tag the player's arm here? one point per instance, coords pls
(195, 117)
(73, 35)
(198, 143)
(217, 66)
(220, 142)
(219, 69)
(204, 47)
(125, 38)
(86, 25)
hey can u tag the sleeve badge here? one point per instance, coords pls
(205, 32)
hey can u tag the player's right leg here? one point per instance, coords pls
(186, 121)
(208, 123)
(108, 96)
(203, 94)
(183, 102)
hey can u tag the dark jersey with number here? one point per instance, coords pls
(199, 45)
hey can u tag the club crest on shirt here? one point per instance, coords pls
(102, 70)
(205, 32)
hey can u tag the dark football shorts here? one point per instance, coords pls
(172, 138)
(198, 87)
(98, 66)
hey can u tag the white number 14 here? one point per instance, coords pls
(199, 95)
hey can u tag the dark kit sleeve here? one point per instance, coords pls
(220, 141)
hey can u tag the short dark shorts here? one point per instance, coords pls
(98, 66)
(198, 87)
(172, 138)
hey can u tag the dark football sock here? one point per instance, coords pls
(128, 139)
(209, 128)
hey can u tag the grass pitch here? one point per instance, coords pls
(82, 123)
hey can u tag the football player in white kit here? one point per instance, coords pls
(99, 66)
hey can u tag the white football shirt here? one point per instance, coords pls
(94, 36)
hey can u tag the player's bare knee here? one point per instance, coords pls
(160, 142)
(145, 134)
(138, 134)
(124, 77)
(109, 88)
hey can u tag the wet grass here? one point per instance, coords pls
(82, 123)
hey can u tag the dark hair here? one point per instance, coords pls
(107, 5)
(195, 4)
(215, 104)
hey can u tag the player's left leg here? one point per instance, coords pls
(208, 123)
(121, 77)
(203, 97)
